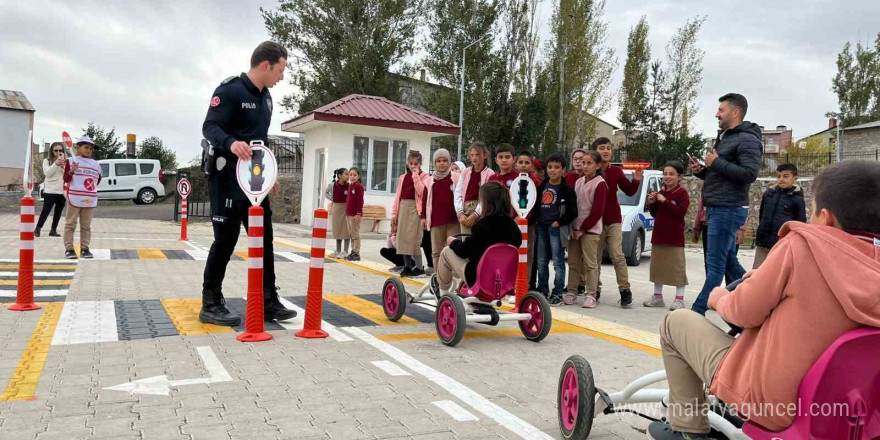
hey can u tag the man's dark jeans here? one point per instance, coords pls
(723, 222)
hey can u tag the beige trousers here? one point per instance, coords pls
(469, 208)
(84, 215)
(354, 231)
(449, 266)
(612, 237)
(438, 239)
(693, 348)
(582, 263)
(760, 255)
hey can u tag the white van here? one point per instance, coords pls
(136, 179)
(638, 223)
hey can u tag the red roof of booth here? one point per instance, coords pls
(374, 111)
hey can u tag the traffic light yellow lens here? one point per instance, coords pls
(257, 170)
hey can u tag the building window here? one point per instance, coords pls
(380, 162)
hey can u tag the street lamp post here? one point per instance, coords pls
(461, 100)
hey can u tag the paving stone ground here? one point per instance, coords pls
(289, 388)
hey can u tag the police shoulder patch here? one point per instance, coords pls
(227, 80)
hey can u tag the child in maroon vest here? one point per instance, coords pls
(354, 209)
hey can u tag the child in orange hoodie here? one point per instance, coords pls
(818, 282)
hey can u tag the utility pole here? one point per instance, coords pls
(461, 99)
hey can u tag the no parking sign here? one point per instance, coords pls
(256, 177)
(184, 188)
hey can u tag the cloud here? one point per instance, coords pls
(150, 67)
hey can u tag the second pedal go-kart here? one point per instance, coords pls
(496, 279)
(846, 377)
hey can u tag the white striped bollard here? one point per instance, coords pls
(24, 297)
(184, 210)
(315, 294)
(253, 324)
(522, 275)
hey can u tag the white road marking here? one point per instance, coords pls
(41, 274)
(391, 368)
(516, 425)
(100, 254)
(198, 254)
(296, 324)
(161, 386)
(86, 322)
(293, 257)
(37, 293)
(455, 411)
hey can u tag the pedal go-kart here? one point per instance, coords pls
(496, 279)
(845, 377)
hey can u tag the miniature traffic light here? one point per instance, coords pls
(257, 167)
(523, 194)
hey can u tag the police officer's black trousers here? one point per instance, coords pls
(227, 226)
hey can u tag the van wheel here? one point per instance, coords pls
(635, 253)
(146, 196)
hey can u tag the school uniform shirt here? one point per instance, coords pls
(571, 178)
(669, 217)
(615, 178)
(442, 209)
(407, 188)
(505, 179)
(354, 205)
(339, 192)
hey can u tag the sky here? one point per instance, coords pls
(149, 68)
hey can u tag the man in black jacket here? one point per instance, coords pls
(781, 203)
(240, 112)
(730, 169)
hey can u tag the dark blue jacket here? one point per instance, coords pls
(727, 181)
(777, 207)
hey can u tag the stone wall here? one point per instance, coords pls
(694, 186)
(285, 206)
(862, 142)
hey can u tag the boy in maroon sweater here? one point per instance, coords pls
(612, 233)
(506, 170)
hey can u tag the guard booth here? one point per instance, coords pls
(370, 133)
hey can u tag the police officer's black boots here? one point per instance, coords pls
(214, 310)
(273, 310)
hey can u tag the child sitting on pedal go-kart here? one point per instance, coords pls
(818, 282)
(460, 257)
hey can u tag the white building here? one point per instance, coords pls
(16, 119)
(370, 133)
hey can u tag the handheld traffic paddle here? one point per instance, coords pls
(256, 178)
(68, 142)
(523, 194)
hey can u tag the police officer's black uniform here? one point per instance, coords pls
(239, 111)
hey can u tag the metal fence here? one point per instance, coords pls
(288, 152)
(807, 164)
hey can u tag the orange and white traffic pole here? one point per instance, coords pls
(24, 298)
(315, 291)
(183, 212)
(522, 271)
(253, 324)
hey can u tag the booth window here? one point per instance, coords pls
(380, 161)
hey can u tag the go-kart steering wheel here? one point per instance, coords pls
(735, 330)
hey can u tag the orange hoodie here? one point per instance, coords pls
(817, 283)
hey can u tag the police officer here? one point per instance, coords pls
(240, 112)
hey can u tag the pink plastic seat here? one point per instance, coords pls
(840, 395)
(496, 273)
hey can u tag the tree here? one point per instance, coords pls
(107, 145)
(857, 83)
(152, 148)
(340, 47)
(684, 73)
(452, 25)
(811, 146)
(633, 97)
(579, 34)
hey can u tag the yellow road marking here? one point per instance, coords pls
(242, 254)
(367, 309)
(151, 254)
(23, 384)
(40, 266)
(37, 282)
(184, 313)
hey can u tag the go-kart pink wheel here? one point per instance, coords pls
(537, 327)
(393, 299)
(450, 319)
(576, 398)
